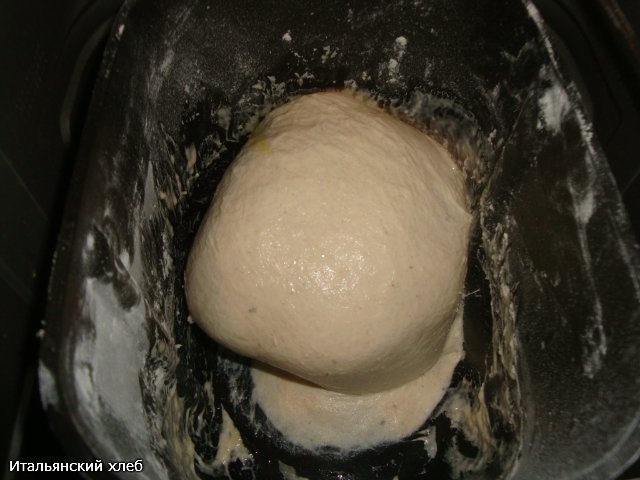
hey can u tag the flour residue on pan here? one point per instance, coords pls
(108, 385)
(584, 193)
(556, 102)
(554, 105)
(390, 70)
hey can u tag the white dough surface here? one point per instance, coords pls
(335, 246)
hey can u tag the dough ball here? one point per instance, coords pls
(335, 246)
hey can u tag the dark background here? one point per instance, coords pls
(50, 53)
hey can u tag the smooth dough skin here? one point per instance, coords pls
(335, 247)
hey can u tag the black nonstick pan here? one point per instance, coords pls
(549, 386)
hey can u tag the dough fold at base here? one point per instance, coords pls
(313, 417)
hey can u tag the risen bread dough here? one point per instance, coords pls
(335, 246)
